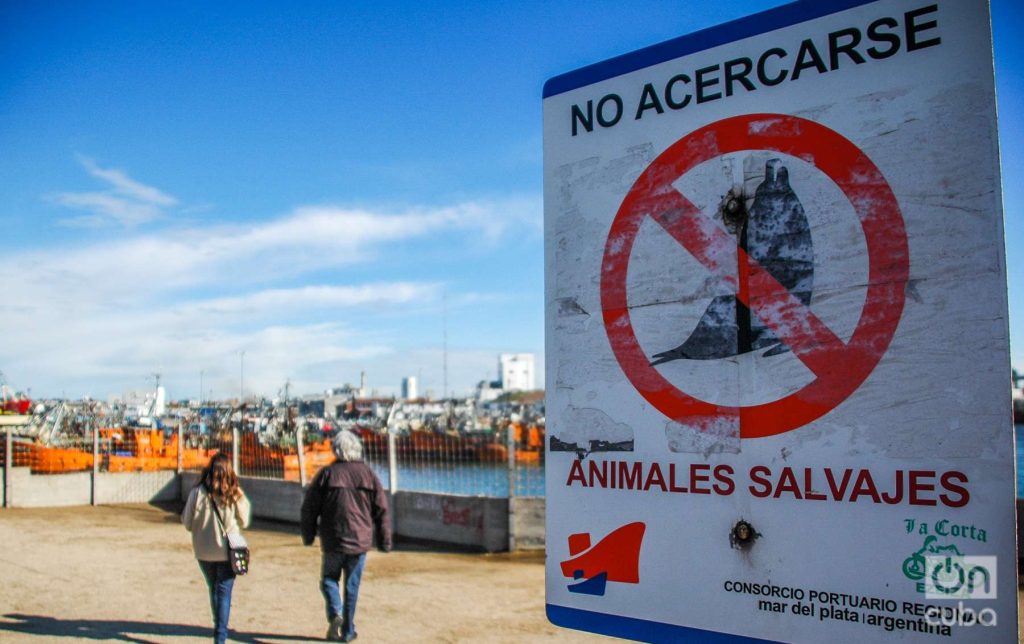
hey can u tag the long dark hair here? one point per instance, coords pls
(220, 481)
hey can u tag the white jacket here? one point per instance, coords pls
(208, 541)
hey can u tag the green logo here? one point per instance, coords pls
(916, 565)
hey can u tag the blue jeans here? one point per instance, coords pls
(333, 566)
(220, 578)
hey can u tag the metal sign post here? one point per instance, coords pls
(777, 333)
(8, 464)
(94, 480)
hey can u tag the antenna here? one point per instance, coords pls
(444, 343)
(241, 378)
(287, 407)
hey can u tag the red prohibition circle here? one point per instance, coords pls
(839, 367)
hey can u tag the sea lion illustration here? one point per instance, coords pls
(776, 235)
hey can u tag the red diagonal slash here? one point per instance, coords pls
(839, 368)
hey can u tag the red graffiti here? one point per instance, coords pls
(450, 515)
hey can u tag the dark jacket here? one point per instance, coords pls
(343, 504)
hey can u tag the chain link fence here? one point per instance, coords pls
(500, 462)
(481, 464)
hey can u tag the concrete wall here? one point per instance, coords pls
(57, 490)
(528, 522)
(278, 500)
(476, 522)
(136, 487)
(48, 490)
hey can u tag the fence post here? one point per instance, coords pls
(95, 458)
(392, 478)
(301, 449)
(8, 464)
(510, 441)
(392, 462)
(181, 449)
(235, 448)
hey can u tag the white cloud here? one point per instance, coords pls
(105, 208)
(306, 297)
(95, 319)
(95, 334)
(126, 202)
(125, 185)
(308, 239)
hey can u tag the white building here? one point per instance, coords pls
(516, 371)
(409, 391)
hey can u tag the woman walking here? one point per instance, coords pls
(216, 507)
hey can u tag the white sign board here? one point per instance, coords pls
(778, 387)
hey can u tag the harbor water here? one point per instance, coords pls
(472, 479)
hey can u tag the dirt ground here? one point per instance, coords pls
(127, 573)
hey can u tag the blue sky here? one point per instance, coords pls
(324, 186)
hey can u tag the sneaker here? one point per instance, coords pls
(350, 638)
(334, 629)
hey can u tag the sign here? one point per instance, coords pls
(839, 368)
(777, 357)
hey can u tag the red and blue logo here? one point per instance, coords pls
(615, 558)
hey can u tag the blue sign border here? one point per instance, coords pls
(639, 629)
(753, 25)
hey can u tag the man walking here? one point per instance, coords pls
(344, 503)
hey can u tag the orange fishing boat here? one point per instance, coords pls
(121, 450)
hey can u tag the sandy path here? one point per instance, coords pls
(126, 573)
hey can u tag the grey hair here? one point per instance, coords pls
(347, 446)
